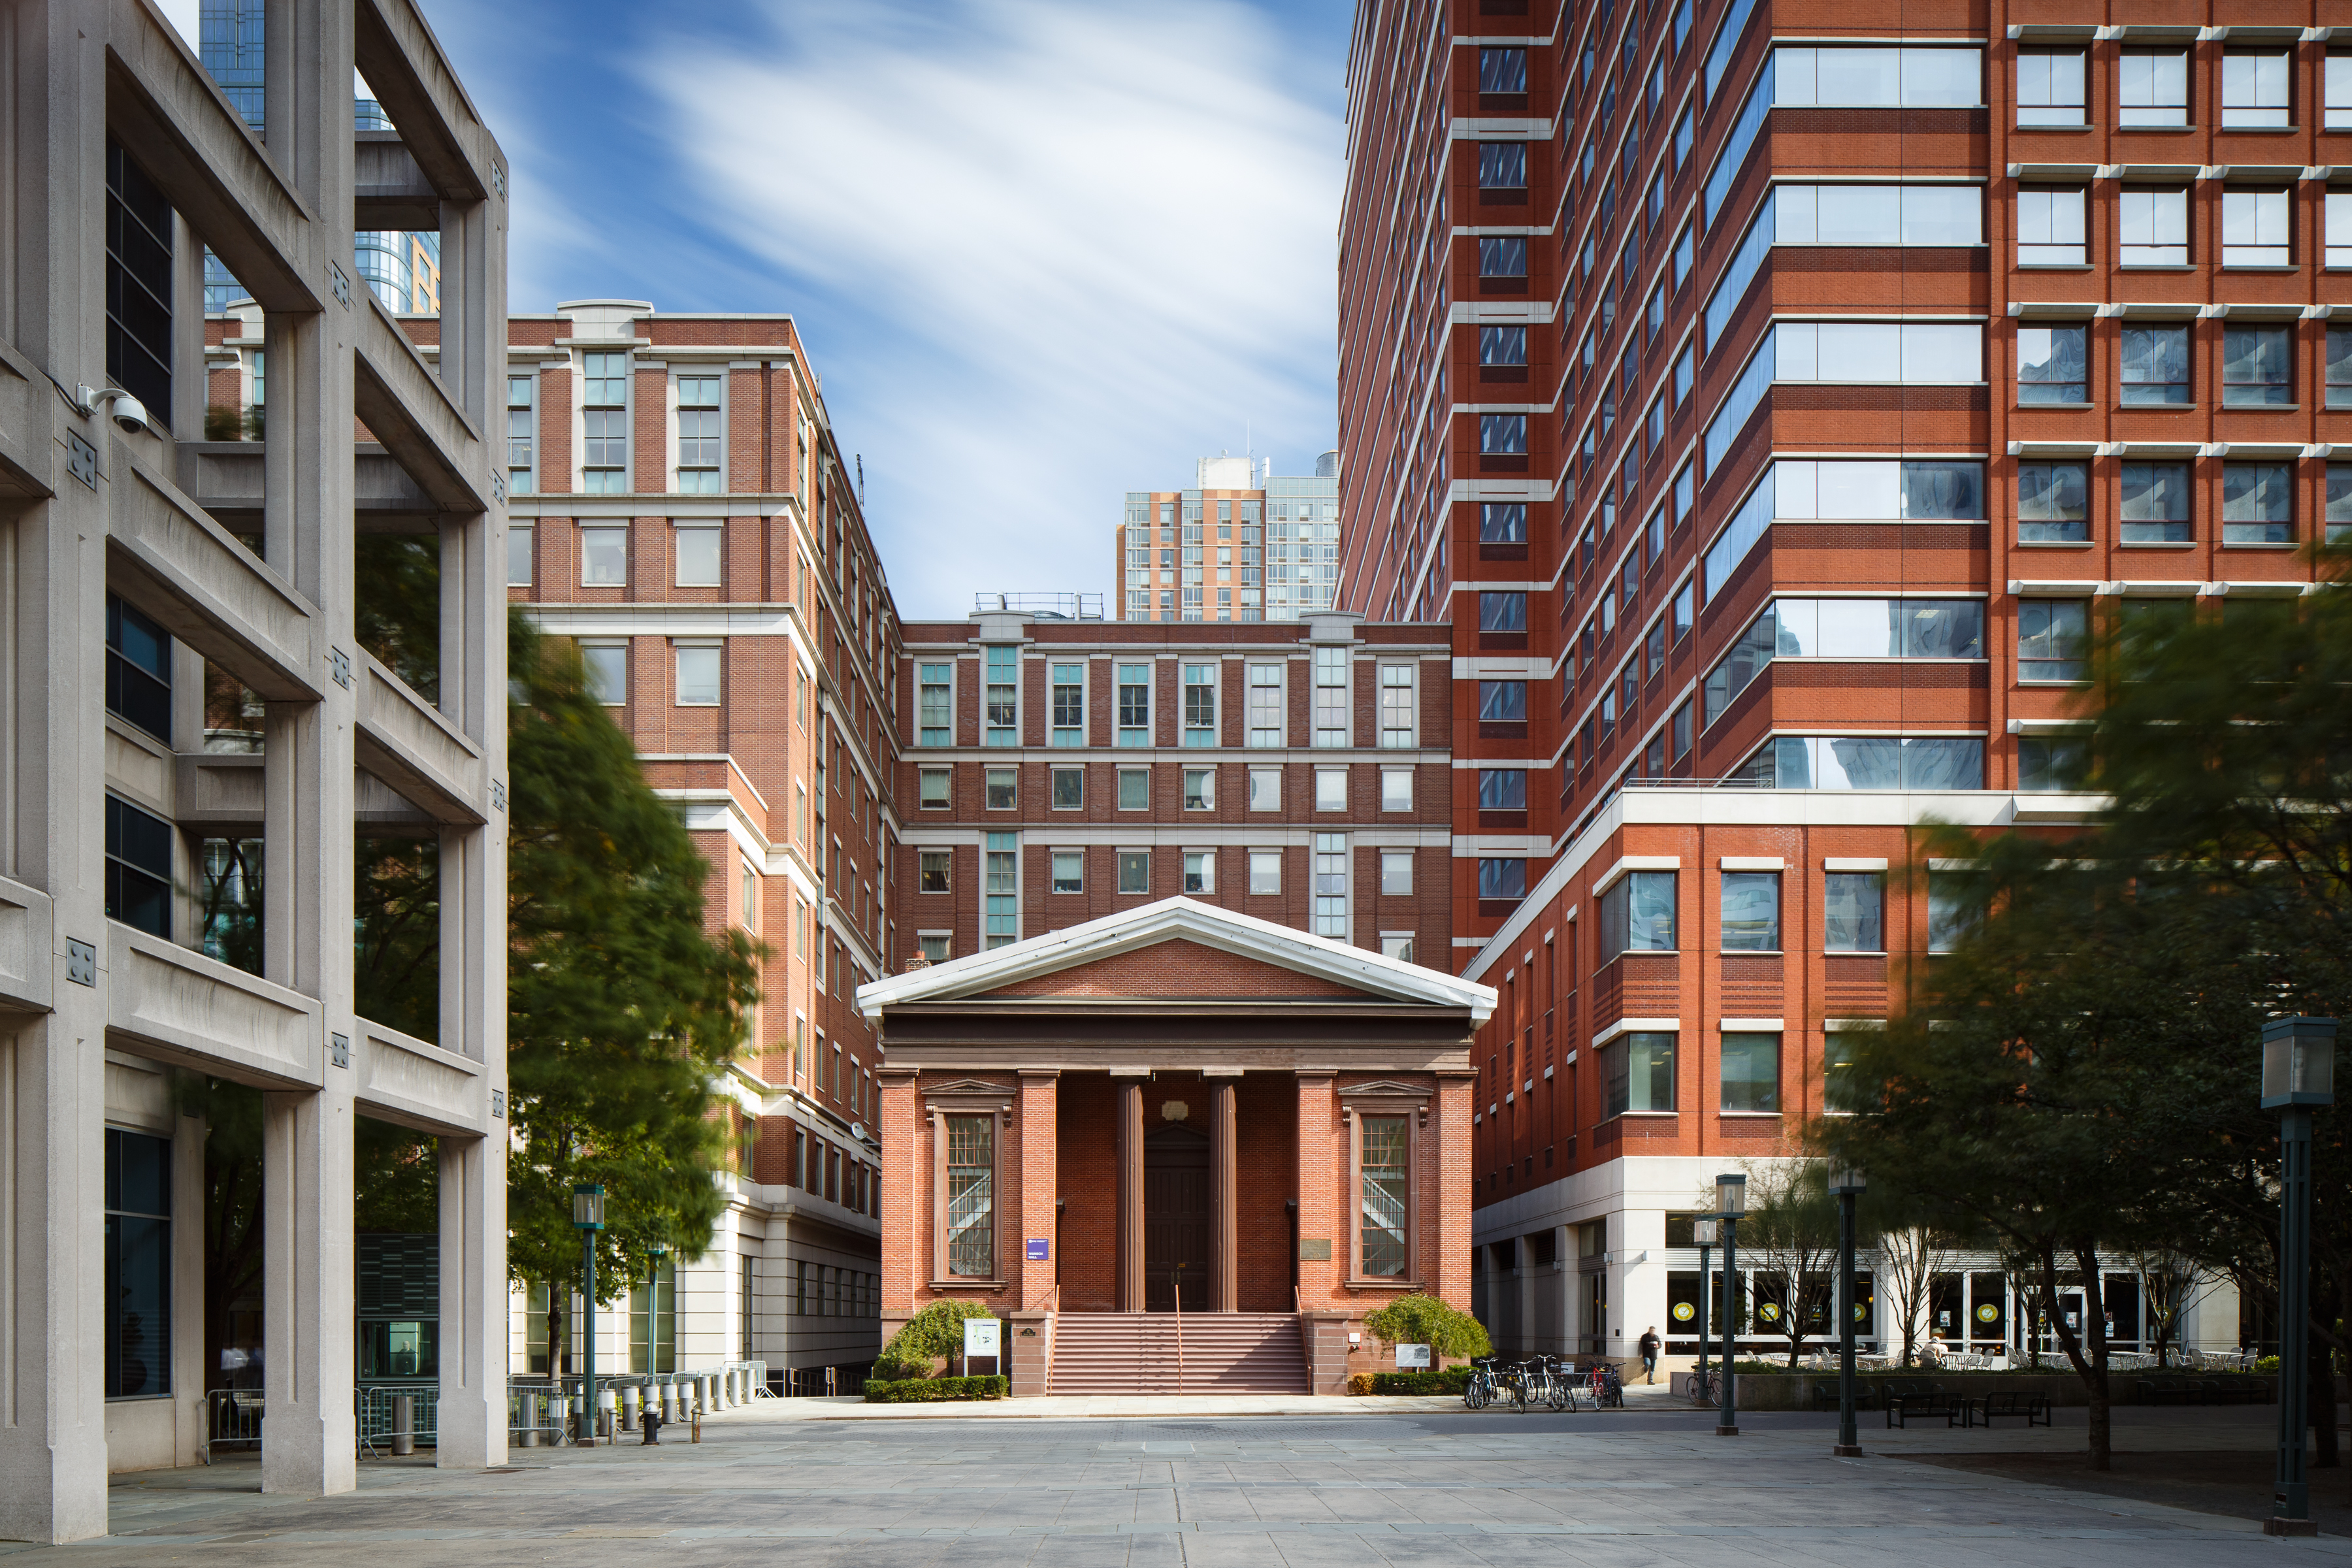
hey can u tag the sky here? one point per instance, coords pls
(1041, 252)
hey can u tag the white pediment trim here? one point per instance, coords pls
(1175, 919)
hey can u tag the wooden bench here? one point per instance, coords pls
(2168, 1390)
(2034, 1407)
(1905, 1400)
(1866, 1395)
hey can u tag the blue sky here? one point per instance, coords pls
(1041, 251)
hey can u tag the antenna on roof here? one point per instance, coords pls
(861, 480)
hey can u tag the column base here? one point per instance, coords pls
(1845, 1451)
(2277, 1526)
(1727, 1431)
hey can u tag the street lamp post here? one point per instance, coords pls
(1730, 1202)
(588, 1217)
(1846, 1184)
(2298, 1072)
(1702, 1231)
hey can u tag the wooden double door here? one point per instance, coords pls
(1175, 1220)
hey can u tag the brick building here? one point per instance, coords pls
(680, 506)
(1773, 396)
(1241, 545)
(1174, 1102)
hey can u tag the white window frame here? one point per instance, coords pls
(619, 529)
(1391, 860)
(679, 470)
(1257, 773)
(527, 536)
(1207, 868)
(1055, 860)
(679, 648)
(1407, 737)
(1256, 701)
(1264, 860)
(1388, 777)
(1339, 773)
(596, 687)
(678, 533)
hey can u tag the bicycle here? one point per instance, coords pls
(1558, 1391)
(1706, 1387)
(1606, 1387)
(1479, 1391)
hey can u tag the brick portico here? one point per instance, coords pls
(1176, 1099)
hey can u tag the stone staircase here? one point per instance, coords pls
(1136, 1352)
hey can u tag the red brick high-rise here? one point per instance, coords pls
(1773, 395)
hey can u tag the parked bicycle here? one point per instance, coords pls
(1546, 1381)
(1479, 1391)
(1605, 1386)
(1706, 1387)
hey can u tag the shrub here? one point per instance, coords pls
(1419, 1320)
(936, 1330)
(935, 1389)
(1442, 1380)
(1359, 1383)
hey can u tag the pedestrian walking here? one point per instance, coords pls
(1650, 1356)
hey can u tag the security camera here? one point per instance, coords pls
(129, 414)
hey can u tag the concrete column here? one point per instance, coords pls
(310, 1440)
(473, 1410)
(1523, 1329)
(1323, 1237)
(1130, 1194)
(1040, 1185)
(1563, 1271)
(1225, 1200)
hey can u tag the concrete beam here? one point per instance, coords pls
(219, 794)
(176, 1004)
(405, 405)
(161, 105)
(403, 1079)
(411, 747)
(388, 190)
(396, 51)
(229, 480)
(28, 462)
(27, 949)
(207, 590)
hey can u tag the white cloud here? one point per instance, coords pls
(1055, 250)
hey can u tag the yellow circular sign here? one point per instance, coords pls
(1987, 1313)
(1861, 1312)
(1769, 1312)
(1682, 1311)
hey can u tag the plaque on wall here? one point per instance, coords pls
(1314, 1249)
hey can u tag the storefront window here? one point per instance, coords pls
(138, 1265)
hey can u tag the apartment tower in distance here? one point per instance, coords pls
(1774, 395)
(1241, 545)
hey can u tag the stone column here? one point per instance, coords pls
(1524, 1269)
(907, 1200)
(1040, 1155)
(472, 1414)
(1563, 1254)
(1448, 1269)
(1130, 1192)
(1224, 1197)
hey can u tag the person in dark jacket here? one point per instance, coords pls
(1650, 1356)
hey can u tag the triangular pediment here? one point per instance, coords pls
(1176, 949)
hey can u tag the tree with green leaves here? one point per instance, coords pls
(623, 1012)
(1451, 1333)
(2075, 1079)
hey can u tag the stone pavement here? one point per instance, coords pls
(785, 1483)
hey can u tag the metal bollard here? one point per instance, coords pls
(632, 1403)
(403, 1424)
(669, 1401)
(651, 1422)
(608, 1411)
(529, 1435)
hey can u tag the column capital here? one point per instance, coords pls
(1042, 1075)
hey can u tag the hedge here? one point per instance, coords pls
(932, 1390)
(1441, 1380)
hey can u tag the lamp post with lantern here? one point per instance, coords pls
(588, 1218)
(1846, 1183)
(2298, 1072)
(1730, 1202)
(1704, 1231)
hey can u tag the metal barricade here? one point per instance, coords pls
(396, 1417)
(232, 1420)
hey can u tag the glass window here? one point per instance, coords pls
(1502, 71)
(1266, 871)
(971, 1196)
(1387, 1188)
(1751, 1072)
(1266, 789)
(933, 785)
(1638, 1073)
(1868, 762)
(1069, 704)
(1331, 717)
(1200, 705)
(1502, 789)
(1001, 787)
(606, 666)
(138, 669)
(2054, 363)
(2153, 86)
(1330, 789)
(2339, 502)
(1396, 872)
(1503, 612)
(1637, 914)
(1502, 345)
(1853, 912)
(1069, 789)
(2256, 366)
(1503, 522)
(932, 868)
(2049, 763)
(1396, 789)
(1681, 727)
(1502, 701)
(2052, 639)
(1501, 879)
(138, 1265)
(1955, 903)
(1503, 434)
(1135, 705)
(522, 434)
(1502, 165)
(1135, 789)
(2254, 228)
(519, 555)
(2339, 367)
(1265, 717)
(2254, 89)
(1200, 871)
(1503, 255)
(603, 557)
(1399, 723)
(2152, 227)
(2050, 229)
(2155, 503)
(2050, 87)
(1751, 912)
(2155, 366)
(1134, 870)
(1069, 867)
(1330, 889)
(698, 676)
(697, 557)
(935, 704)
(2257, 503)
(1200, 789)
(699, 435)
(2051, 502)
(1000, 714)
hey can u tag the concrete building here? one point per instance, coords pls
(1053, 771)
(1241, 545)
(1772, 397)
(683, 509)
(154, 568)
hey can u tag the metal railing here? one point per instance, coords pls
(232, 1420)
(397, 1417)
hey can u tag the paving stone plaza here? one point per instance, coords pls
(806, 1481)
